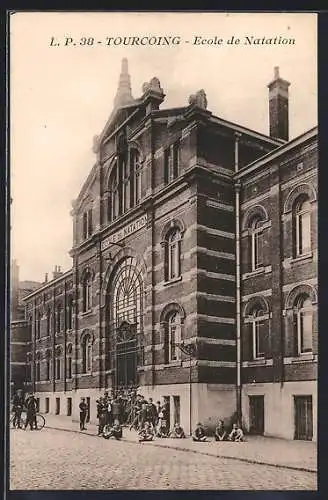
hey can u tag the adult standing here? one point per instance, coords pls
(83, 414)
(17, 408)
(31, 405)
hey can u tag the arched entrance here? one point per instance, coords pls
(126, 323)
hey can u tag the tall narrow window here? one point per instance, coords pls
(171, 163)
(58, 363)
(256, 241)
(48, 329)
(86, 293)
(302, 230)
(136, 176)
(37, 366)
(86, 354)
(69, 362)
(90, 223)
(48, 365)
(258, 335)
(70, 313)
(58, 318)
(173, 255)
(38, 325)
(85, 225)
(113, 200)
(174, 336)
(126, 185)
(304, 324)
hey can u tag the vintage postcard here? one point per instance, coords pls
(163, 331)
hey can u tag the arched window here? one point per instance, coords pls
(37, 366)
(173, 254)
(174, 336)
(48, 319)
(86, 354)
(69, 313)
(303, 324)
(302, 226)
(86, 292)
(256, 244)
(258, 333)
(58, 363)
(48, 364)
(126, 309)
(69, 361)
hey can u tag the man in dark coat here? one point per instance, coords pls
(17, 408)
(31, 405)
(83, 414)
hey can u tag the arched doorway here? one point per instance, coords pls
(126, 323)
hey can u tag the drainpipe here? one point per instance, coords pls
(238, 280)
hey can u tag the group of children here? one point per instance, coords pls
(148, 433)
(221, 434)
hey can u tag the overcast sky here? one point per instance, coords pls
(62, 96)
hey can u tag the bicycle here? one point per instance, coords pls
(39, 419)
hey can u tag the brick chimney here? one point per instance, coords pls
(56, 272)
(278, 107)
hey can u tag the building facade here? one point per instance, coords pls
(194, 270)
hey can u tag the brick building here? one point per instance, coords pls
(194, 270)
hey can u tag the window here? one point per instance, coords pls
(113, 200)
(174, 336)
(256, 243)
(258, 333)
(135, 177)
(48, 326)
(303, 324)
(69, 362)
(38, 325)
(47, 405)
(37, 366)
(173, 255)
(86, 354)
(126, 310)
(87, 223)
(58, 318)
(86, 293)
(48, 365)
(171, 163)
(70, 313)
(58, 363)
(302, 227)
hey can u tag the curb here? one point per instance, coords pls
(177, 448)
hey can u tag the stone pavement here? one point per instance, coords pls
(55, 460)
(298, 455)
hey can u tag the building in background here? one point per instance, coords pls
(194, 270)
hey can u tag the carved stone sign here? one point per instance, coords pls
(125, 231)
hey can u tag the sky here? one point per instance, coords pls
(61, 97)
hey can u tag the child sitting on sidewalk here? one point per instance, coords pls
(177, 432)
(146, 433)
(220, 432)
(236, 434)
(199, 433)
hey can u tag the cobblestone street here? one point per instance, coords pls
(58, 460)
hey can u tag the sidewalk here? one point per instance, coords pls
(299, 455)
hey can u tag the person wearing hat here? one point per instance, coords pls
(83, 414)
(31, 405)
(17, 408)
(199, 433)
